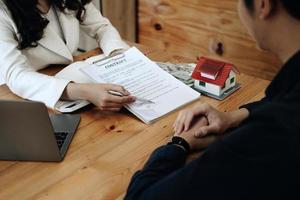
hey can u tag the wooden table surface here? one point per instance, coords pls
(107, 148)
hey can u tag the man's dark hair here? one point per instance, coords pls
(31, 23)
(292, 6)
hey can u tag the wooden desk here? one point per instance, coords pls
(107, 149)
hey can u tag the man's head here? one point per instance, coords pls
(265, 18)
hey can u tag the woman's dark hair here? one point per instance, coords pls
(292, 6)
(31, 23)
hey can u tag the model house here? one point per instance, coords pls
(213, 77)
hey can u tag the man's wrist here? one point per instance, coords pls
(179, 146)
(180, 142)
(237, 117)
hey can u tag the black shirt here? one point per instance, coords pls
(258, 160)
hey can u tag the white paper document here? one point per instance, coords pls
(145, 80)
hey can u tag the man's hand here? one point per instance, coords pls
(218, 122)
(197, 144)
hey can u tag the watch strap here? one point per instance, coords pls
(181, 142)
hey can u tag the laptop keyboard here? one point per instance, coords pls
(60, 138)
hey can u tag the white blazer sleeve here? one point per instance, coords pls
(98, 27)
(22, 79)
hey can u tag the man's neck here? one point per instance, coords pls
(286, 42)
(285, 53)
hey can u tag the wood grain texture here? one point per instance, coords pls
(123, 15)
(107, 148)
(203, 27)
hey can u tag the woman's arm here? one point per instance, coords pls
(98, 27)
(25, 82)
(19, 76)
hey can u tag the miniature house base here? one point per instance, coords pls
(216, 89)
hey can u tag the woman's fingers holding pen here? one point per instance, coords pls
(116, 88)
(110, 98)
(114, 103)
(101, 96)
(117, 94)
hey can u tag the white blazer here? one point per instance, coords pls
(18, 68)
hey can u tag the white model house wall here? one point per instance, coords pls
(215, 89)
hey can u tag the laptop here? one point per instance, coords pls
(29, 133)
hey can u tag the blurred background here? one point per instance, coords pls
(190, 28)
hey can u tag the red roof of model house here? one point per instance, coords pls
(219, 69)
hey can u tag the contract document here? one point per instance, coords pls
(144, 79)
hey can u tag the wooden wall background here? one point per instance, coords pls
(203, 27)
(123, 15)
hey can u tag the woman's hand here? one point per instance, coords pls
(195, 143)
(99, 95)
(218, 122)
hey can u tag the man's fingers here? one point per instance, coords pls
(177, 123)
(185, 118)
(188, 120)
(205, 130)
(179, 129)
(202, 109)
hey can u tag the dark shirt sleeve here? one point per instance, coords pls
(162, 162)
(251, 106)
(257, 160)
